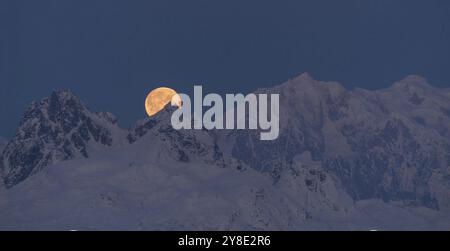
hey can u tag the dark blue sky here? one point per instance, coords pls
(111, 53)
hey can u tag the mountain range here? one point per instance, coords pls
(344, 159)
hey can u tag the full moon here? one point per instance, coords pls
(158, 98)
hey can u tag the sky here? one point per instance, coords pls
(111, 53)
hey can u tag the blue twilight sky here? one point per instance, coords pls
(111, 52)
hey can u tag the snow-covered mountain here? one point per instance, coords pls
(391, 144)
(180, 145)
(137, 187)
(54, 129)
(344, 160)
(3, 143)
(145, 186)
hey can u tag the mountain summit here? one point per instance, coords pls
(380, 144)
(345, 159)
(57, 128)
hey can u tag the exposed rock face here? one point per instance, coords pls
(339, 155)
(180, 145)
(57, 128)
(392, 144)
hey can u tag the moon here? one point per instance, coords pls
(158, 98)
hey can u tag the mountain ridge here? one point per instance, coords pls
(339, 152)
(57, 128)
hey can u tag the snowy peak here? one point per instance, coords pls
(336, 149)
(57, 128)
(304, 77)
(65, 114)
(412, 86)
(144, 125)
(414, 94)
(380, 144)
(156, 133)
(306, 80)
(412, 80)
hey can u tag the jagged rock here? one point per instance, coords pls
(342, 156)
(54, 129)
(181, 145)
(381, 144)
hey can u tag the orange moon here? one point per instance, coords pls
(158, 98)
